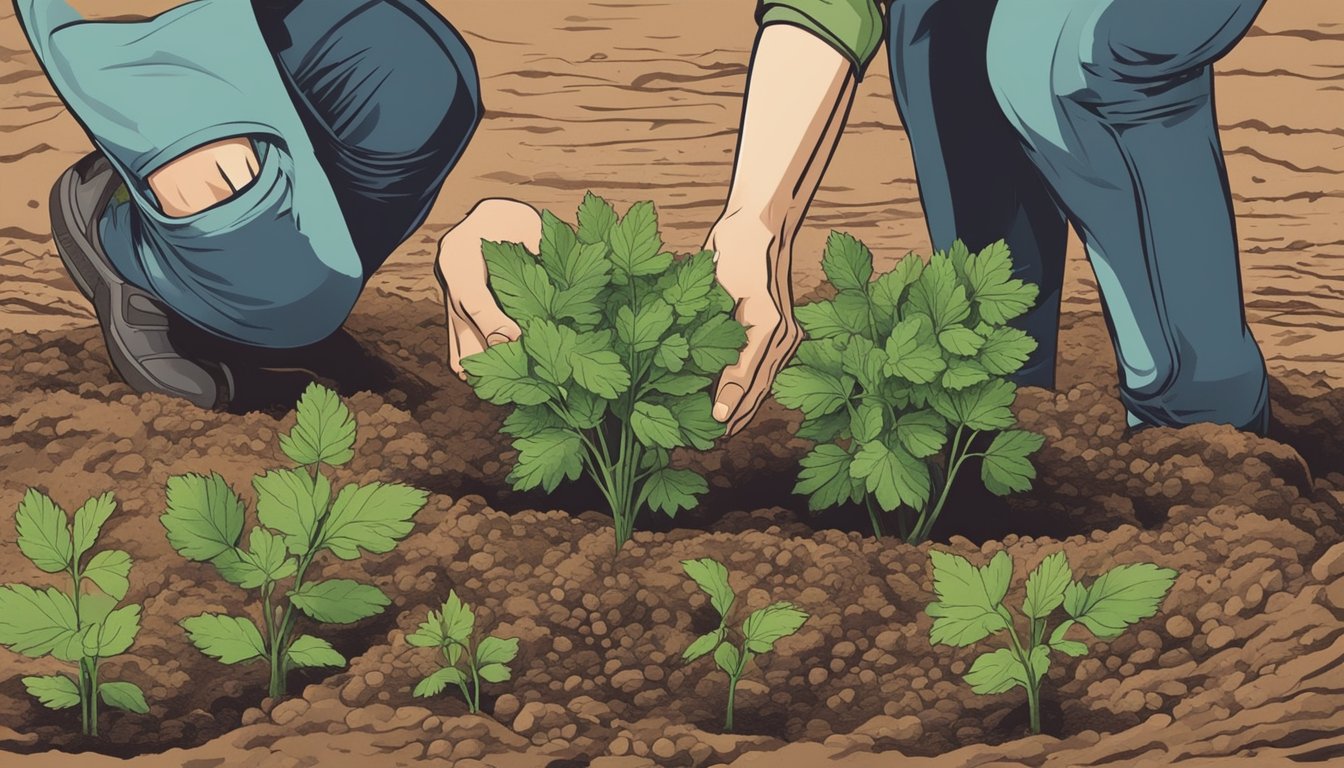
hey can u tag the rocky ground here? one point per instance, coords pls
(1244, 664)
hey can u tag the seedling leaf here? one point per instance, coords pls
(729, 659)
(89, 521)
(126, 696)
(770, 624)
(912, 351)
(596, 218)
(458, 620)
(437, 682)
(848, 263)
(712, 578)
(546, 458)
(54, 691)
(892, 475)
(521, 284)
(635, 243)
(496, 650)
(812, 391)
(655, 425)
(996, 672)
(229, 639)
(716, 343)
(110, 570)
(36, 623)
(550, 346)
(671, 490)
(1046, 585)
(1006, 467)
(44, 532)
(1124, 595)
(309, 651)
(339, 601)
(704, 644)
(825, 477)
(597, 368)
(371, 517)
(500, 375)
(204, 517)
(495, 673)
(115, 635)
(291, 501)
(325, 431)
(969, 598)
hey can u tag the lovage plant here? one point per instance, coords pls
(620, 341)
(971, 608)
(760, 631)
(452, 630)
(72, 625)
(900, 375)
(300, 516)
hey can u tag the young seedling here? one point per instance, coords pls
(971, 607)
(762, 629)
(613, 370)
(74, 626)
(299, 517)
(452, 630)
(900, 375)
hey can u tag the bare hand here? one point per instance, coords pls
(754, 267)
(475, 320)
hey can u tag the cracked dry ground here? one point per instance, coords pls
(1245, 663)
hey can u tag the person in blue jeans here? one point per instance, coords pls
(1025, 117)
(255, 164)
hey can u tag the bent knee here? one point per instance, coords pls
(204, 177)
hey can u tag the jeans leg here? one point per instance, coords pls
(389, 93)
(1113, 98)
(975, 179)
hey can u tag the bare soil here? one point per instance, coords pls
(1245, 663)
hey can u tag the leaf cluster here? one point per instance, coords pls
(76, 626)
(299, 516)
(895, 367)
(759, 632)
(971, 607)
(452, 630)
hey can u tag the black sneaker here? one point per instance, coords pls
(135, 325)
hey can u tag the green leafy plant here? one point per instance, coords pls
(971, 607)
(74, 626)
(760, 631)
(452, 630)
(620, 341)
(900, 375)
(299, 517)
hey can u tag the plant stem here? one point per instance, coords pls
(732, 696)
(93, 696)
(1032, 685)
(955, 458)
(873, 516)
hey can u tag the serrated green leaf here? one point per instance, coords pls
(291, 501)
(229, 639)
(961, 341)
(866, 422)
(939, 294)
(825, 429)
(672, 353)
(695, 418)
(550, 347)
(679, 384)
(124, 696)
(655, 425)
(110, 570)
(324, 431)
(558, 240)
(339, 601)
(521, 284)
(437, 682)
(996, 672)
(1005, 351)
(969, 598)
(716, 343)
(500, 375)
(642, 329)
(998, 297)
(922, 433)
(635, 243)
(496, 650)
(495, 673)
(371, 517)
(671, 490)
(528, 420)
(912, 351)
(1006, 467)
(980, 407)
(235, 569)
(848, 263)
(596, 218)
(892, 475)
(458, 620)
(889, 288)
(824, 355)
(429, 634)
(89, 521)
(1068, 647)
(266, 560)
(1046, 585)
(712, 578)
(597, 368)
(54, 691)
(309, 651)
(728, 659)
(36, 623)
(825, 477)
(1124, 595)
(812, 391)
(44, 532)
(822, 320)
(866, 362)
(585, 409)
(767, 626)
(962, 373)
(546, 459)
(693, 280)
(579, 280)
(704, 645)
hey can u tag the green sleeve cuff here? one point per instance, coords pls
(852, 27)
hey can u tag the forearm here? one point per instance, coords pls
(798, 97)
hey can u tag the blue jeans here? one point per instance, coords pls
(1096, 114)
(357, 109)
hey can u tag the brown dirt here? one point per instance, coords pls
(1245, 662)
